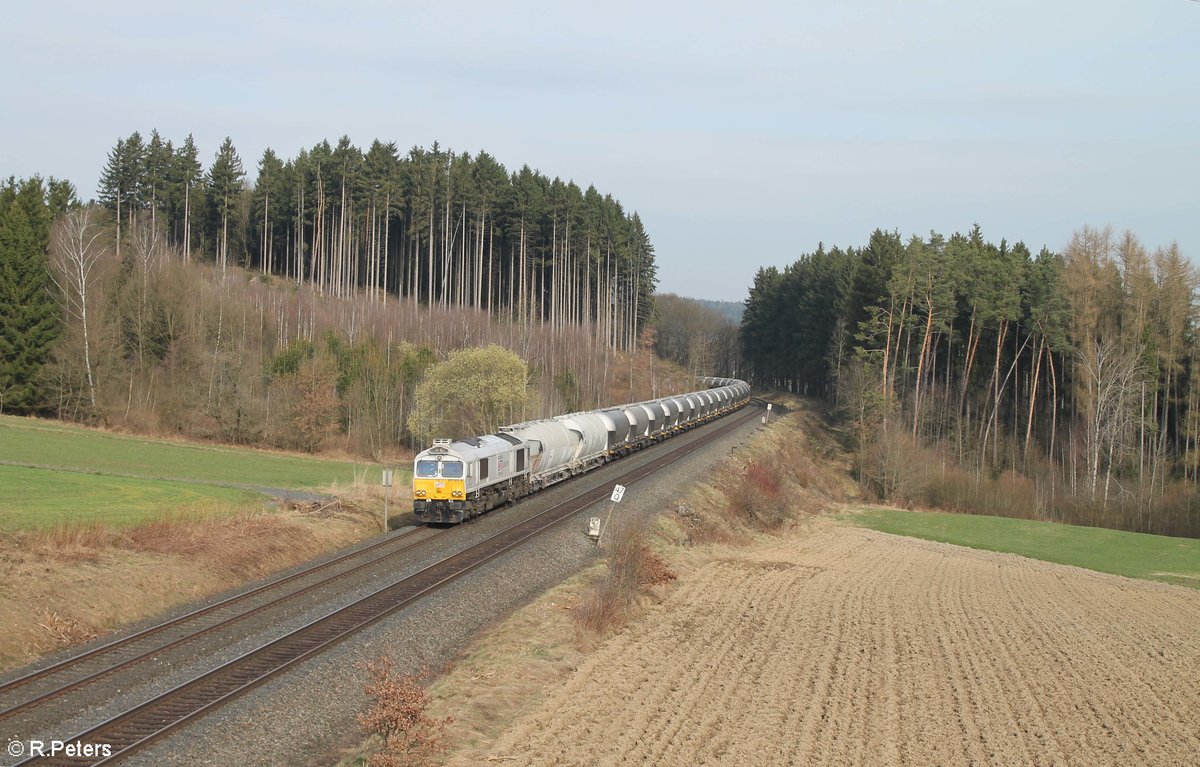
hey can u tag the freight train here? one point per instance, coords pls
(454, 481)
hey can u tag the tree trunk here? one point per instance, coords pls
(1037, 369)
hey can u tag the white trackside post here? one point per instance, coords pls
(617, 494)
(387, 490)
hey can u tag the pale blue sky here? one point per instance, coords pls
(743, 137)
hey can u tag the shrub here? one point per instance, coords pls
(397, 715)
(757, 498)
(632, 565)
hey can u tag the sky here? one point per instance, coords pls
(742, 136)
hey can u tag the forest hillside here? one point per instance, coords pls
(981, 376)
(301, 310)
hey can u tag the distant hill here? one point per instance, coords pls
(731, 310)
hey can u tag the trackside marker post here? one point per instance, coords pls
(594, 523)
(387, 484)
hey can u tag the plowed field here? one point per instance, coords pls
(848, 646)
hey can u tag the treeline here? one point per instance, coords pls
(984, 377)
(137, 337)
(443, 228)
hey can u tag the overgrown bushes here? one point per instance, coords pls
(757, 498)
(631, 566)
(409, 736)
(898, 469)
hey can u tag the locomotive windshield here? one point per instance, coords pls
(427, 469)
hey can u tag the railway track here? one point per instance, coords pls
(55, 680)
(153, 719)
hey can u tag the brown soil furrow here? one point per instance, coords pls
(928, 700)
(696, 674)
(760, 688)
(755, 648)
(1133, 691)
(1022, 692)
(822, 653)
(856, 697)
(846, 646)
(955, 734)
(803, 685)
(981, 605)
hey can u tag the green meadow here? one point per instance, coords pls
(52, 473)
(1136, 555)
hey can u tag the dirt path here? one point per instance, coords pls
(846, 646)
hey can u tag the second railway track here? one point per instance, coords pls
(22, 694)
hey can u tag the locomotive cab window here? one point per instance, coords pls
(427, 469)
(483, 468)
(452, 469)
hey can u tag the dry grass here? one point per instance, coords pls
(69, 584)
(64, 630)
(500, 678)
(369, 495)
(631, 566)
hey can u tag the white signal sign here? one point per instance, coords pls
(618, 493)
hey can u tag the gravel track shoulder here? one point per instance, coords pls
(843, 646)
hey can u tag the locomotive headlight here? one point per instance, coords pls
(420, 493)
(456, 493)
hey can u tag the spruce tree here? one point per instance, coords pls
(224, 188)
(29, 318)
(184, 192)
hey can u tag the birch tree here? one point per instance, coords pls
(75, 254)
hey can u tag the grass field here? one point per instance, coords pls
(41, 497)
(1136, 555)
(52, 473)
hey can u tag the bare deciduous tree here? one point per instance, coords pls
(1113, 375)
(74, 254)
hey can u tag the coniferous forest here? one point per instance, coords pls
(983, 377)
(305, 301)
(447, 229)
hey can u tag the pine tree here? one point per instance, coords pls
(224, 190)
(29, 318)
(158, 157)
(267, 201)
(114, 190)
(184, 195)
